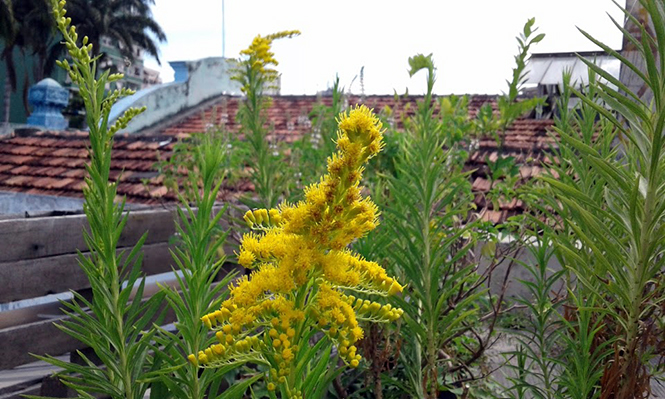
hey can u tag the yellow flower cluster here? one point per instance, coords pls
(303, 269)
(260, 57)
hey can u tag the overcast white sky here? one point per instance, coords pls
(473, 41)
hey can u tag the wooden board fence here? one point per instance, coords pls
(38, 257)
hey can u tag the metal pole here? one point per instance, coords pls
(223, 31)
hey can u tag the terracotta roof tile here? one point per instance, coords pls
(53, 163)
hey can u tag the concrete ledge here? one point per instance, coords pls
(196, 82)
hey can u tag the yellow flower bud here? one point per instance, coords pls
(249, 218)
(395, 288)
(192, 360)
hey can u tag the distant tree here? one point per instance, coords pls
(6, 18)
(8, 35)
(26, 25)
(129, 22)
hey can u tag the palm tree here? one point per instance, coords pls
(129, 22)
(38, 36)
(28, 26)
(8, 35)
(6, 18)
(35, 37)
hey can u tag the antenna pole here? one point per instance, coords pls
(223, 31)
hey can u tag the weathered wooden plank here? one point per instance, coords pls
(38, 277)
(49, 236)
(33, 389)
(32, 238)
(40, 338)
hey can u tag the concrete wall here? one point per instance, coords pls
(20, 204)
(195, 82)
(514, 288)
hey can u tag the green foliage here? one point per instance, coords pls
(183, 172)
(199, 256)
(116, 327)
(510, 105)
(428, 244)
(603, 208)
(129, 22)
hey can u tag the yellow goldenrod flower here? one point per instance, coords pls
(302, 267)
(260, 58)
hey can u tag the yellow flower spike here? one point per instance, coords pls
(303, 266)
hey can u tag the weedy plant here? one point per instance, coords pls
(182, 169)
(199, 256)
(269, 173)
(604, 201)
(433, 234)
(430, 200)
(297, 304)
(117, 328)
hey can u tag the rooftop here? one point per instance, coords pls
(53, 163)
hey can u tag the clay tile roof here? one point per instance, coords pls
(53, 163)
